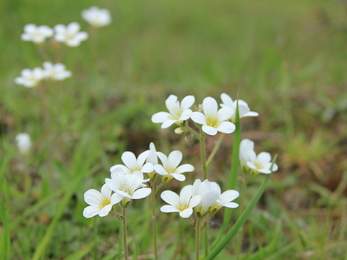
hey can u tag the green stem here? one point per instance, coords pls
(242, 219)
(154, 224)
(239, 237)
(203, 155)
(210, 158)
(197, 239)
(125, 244)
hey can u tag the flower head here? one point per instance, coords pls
(97, 17)
(36, 34)
(253, 163)
(243, 107)
(170, 168)
(70, 34)
(133, 164)
(23, 143)
(184, 203)
(30, 78)
(56, 71)
(178, 112)
(100, 202)
(127, 186)
(214, 120)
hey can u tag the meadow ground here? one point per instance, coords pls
(286, 59)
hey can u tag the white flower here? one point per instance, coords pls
(30, 78)
(128, 186)
(178, 112)
(214, 120)
(243, 107)
(96, 17)
(70, 34)
(23, 143)
(184, 203)
(152, 155)
(170, 168)
(132, 164)
(255, 164)
(36, 34)
(100, 203)
(56, 71)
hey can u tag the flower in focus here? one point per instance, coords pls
(170, 168)
(56, 71)
(243, 107)
(133, 164)
(128, 186)
(184, 203)
(36, 34)
(178, 112)
(30, 78)
(23, 143)
(214, 120)
(70, 34)
(97, 17)
(100, 202)
(250, 162)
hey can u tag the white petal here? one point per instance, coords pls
(199, 118)
(228, 196)
(227, 100)
(106, 191)
(162, 157)
(172, 104)
(160, 117)
(105, 210)
(186, 114)
(225, 113)
(119, 168)
(168, 209)
(141, 193)
(116, 198)
(263, 158)
(160, 170)
(231, 205)
(209, 130)
(168, 123)
(129, 159)
(226, 127)
(187, 102)
(90, 211)
(92, 197)
(184, 168)
(179, 177)
(147, 168)
(195, 200)
(185, 195)
(174, 159)
(171, 198)
(186, 213)
(210, 106)
(73, 27)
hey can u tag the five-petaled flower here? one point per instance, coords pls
(70, 35)
(243, 107)
(133, 164)
(170, 168)
(255, 164)
(36, 34)
(184, 203)
(214, 120)
(178, 112)
(97, 17)
(30, 78)
(100, 202)
(56, 71)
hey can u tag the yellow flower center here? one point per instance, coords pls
(105, 202)
(258, 166)
(212, 120)
(182, 208)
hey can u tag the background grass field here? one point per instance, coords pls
(286, 59)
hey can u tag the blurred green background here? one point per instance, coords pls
(286, 59)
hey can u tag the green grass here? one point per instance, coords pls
(287, 59)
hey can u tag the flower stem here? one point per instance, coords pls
(203, 155)
(197, 239)
(210, 158)
(125, 245)
(154, 224)
(239, 236)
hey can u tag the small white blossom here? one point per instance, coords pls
(128, 186)
(36, 34)
(100, 202)
(184, 203)
(170, 168)
(214, 120)
(249, 161)
(70, 35)
(30, 78)
(243, 107)
(97, 17)
(133, 164)
(23, 143)
(56, 71)
(178, 112)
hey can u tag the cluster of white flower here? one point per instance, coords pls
(31, 78)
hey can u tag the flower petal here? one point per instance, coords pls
(174, 159)
(160, 117)
(171, 198)
(226, 127)
(228, 196)
(209, 130)
(141, 193)
(105, 210)
(90, 211)
(187, 102)
(184, 168)
(93, 197)
(186, 213)
(179, 177)
(199, 118)
(168, 209)
(210, 106)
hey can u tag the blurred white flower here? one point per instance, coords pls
(56, 71)
(128, 186)
(133, 164)
(100, 202)
(214, 120)
(170, 168)
(23, 143)
(184, 203)
(30, 78)
(243, 107)
(70, 35)
(178, 112)
(97, 17)
(36, 34)
(251, 162)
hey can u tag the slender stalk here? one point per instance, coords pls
(125, 244)
(210, 158)
(154, 224)
(197, 239)
(239, 237)
(203, 155)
